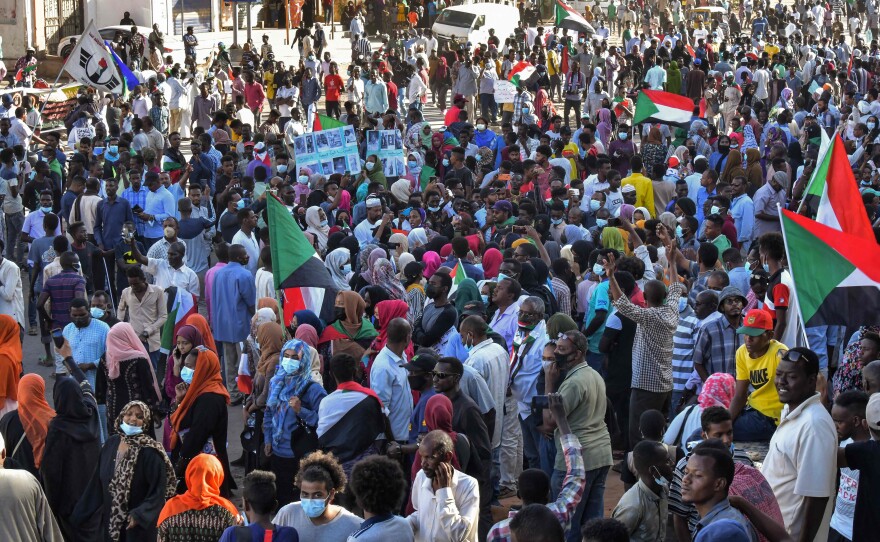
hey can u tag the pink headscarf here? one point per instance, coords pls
(124, 344)
(344, 200)
(603, 129)
(717, 391)
(432, 262)
(307, 334)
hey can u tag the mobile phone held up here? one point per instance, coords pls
(540, 402)
(57, 338)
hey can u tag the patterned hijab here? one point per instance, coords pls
(120, 484)
(283, 386)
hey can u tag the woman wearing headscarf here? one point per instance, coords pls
(413, 282)
(754, 172)
(685, 167)
(309, 335)
(612, 238)
(30, 421)
(673, 78)
(198, 321)
(733, 167)
(383, 276)
(338, 263)
(201, 513)
(293, 399)
(10, 363)
(604, 127)
(386, 311)
(270, 336)
(432, 263)
(200, 416)
(492, 260)
(438, 416)
(317, 225)
(531, 284)
(718, 390)
(126, 373)
(351, 333)
(187, 338)
(560, 323)
(399, 244)
(653, 149)
(132, 481)
(718, 159)
(466, 292)
(417, 237)
(366, 259)
(401, 190)
(73, 444)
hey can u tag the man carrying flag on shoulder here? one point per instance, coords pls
(26, 69)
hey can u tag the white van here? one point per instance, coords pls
(471, 22)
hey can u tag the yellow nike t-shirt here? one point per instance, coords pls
(760, 373)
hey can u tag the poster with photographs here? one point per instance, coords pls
(328, 151)
(388, 145)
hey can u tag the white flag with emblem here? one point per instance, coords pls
(91, 63)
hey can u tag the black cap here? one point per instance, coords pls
(474, 308)
(422, 362)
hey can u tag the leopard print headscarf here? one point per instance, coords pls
(120, 484)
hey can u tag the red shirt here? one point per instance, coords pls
(392, 95)
(332, 85)
(254, 95)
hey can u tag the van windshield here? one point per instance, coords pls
(460, 19)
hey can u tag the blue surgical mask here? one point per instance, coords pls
(97, 312)
(662, 482)
(282, 168)
(871, 125)
(434, 209)
(114, 149)
(556, 221)
(622, 136)
(501, 276)
(595, 205)
(525, 110)
(446, 162)
(46, 210)
(601, 222)
(130, 430)
(412, 164)
(186, 374)
(678, 231)
(290, 365)
(766, 268)
(682, 303)
(346, 269)
(240, 204)
(485, 298)
(598, 269)
(303, 179)
(370, 166)
(324, 223)
(313, 507)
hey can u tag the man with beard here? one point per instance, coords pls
(446, 500)
(717, 341)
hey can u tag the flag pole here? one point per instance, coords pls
(813, 176)
(800, 317)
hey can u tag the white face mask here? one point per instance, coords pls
(715, 210)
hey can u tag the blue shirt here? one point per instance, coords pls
(702, 196)
(67, 201)
(177, 194)
(280, 534)
(233, 295)
(739, 277)
(388, 379)
(136, 199)
(471, 270)
(160, 204)
(203, 171)
(743, 212)
(109, 219)
(88, 344)
(417, 422)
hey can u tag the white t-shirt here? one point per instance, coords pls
(804, 442)
(284, 92)
(845, 505)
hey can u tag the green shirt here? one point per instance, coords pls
(583, 395)
(722, 242)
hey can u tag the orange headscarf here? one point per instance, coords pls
(34, 412)
(206, 379)
(198, 321)
(204, 476)
(10, 358)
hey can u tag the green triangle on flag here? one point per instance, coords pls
(288, 244)
(458, 275)
(323, 122)
(836, 279)
(817, 180)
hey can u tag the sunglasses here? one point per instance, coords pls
(441, 376)
(793, 356)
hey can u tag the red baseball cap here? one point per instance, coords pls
(756, 322)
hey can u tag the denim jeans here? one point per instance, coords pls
(597, 362)
(592, 503)
(752, 426)
(822, 339)
(488, 107)
(539, 450)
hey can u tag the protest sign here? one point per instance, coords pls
(504, 92)
(388, 145)
(328, 151)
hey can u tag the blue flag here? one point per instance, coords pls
(131, 80)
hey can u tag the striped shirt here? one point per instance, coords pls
(683, 348)
(716, 346)
(569, 496)
(62, 289)
(652, 347)
(364, 48)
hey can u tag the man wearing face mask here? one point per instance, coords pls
(643, 508)
(88, 338)
(583, 395)
(101, 308)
